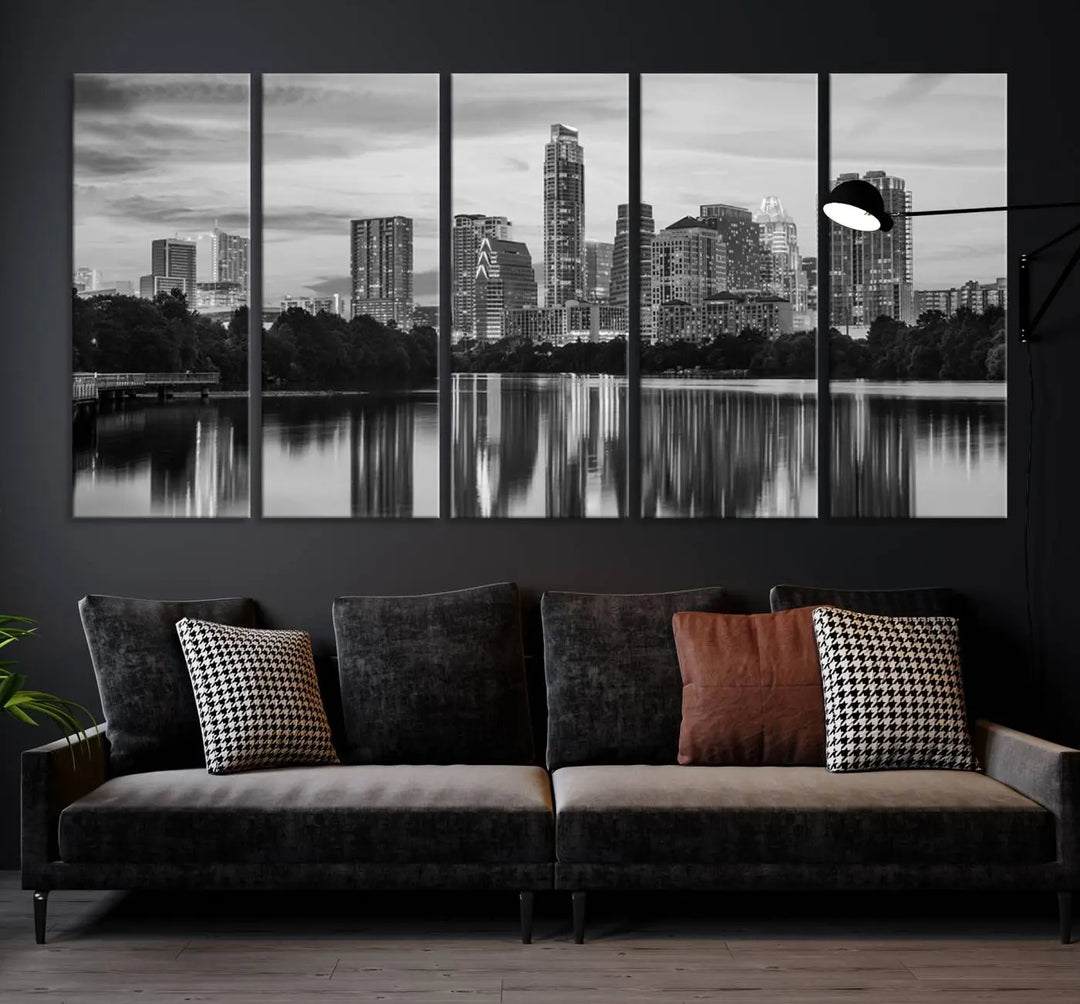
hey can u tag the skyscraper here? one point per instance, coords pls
(382, 268)
(871, 272)
(689, 264)
(504, 282)
(468, 232)
(620, 261)
(230, 259)
(741, 237)
(781, 265)
(172, 266)
(598, 256)
(564, 217)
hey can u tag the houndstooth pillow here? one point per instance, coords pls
(894, 698)
(257, 696)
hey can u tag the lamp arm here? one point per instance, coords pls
(987, 209)
(1027, 329)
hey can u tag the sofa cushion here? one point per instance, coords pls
(434, 679)
(258, 697)
(926, 602)
(337, 814)
(614, 690)
(893, 693)
(751, 689)
(143, 681)
(753, 815)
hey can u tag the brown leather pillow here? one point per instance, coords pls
(751, 689)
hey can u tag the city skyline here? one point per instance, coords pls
(157, 156)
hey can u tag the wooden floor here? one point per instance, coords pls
(269, 949)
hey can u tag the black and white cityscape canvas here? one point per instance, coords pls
(728, 237)
(351, 295)
(160, 295)
(917, 316)
(540, 179)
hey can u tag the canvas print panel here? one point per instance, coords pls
(540, 176)
(728, 237)
(351, 295)
(160, 295)
(917, 315)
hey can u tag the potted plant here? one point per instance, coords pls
(23, 704)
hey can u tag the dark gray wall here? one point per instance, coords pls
(47, 560)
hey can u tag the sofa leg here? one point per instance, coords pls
(1065, 909)
(41, 903)
(525, 900)
(578, 901)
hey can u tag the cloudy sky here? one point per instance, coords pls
(944, 134)
(339, 147)
(501, 123)
(735, 138)
(157, 155)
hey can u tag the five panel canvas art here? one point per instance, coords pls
(540, 317)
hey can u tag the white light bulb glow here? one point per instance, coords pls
(850, 216)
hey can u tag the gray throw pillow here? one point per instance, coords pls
(614, 688)
(146, 696)
(434, 679)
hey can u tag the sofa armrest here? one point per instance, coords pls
(54, 776)
(1043, 771)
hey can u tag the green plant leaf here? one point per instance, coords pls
(21, 715)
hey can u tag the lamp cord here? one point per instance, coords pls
(1032, 655)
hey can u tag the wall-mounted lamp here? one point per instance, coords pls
(858, 205)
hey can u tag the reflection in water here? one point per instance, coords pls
(728, 448)
(351, 455)
(539, 445)
(177, 458)
(918, 449)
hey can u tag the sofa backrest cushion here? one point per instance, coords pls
(436, 679)
(751, 690)
(927, 602)
(614, 691)
(146, 696)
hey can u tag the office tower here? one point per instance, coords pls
(689, 264)
(382, 269)
(504, 283)
(230, 259)
(564, 217)
(741, 237)
(809, 267)
(467, 233)
(871, 271)
(172, 266)
(86, 279)
(598, 255)
(620, 262)
(781, 271)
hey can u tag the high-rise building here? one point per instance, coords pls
(871, 272)
(230, 259)
(809, 267)
(598, 258)
(972, 295)
(564, 217)
(382, 269)
(172, 266)
(689, 264)
(741, 237)
(781, 264)
(86, 280)
(467, 233)
(219, 297)
(620, 262)
(504, 283)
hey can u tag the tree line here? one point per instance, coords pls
(129, 334)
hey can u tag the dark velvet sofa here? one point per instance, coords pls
(614, 811)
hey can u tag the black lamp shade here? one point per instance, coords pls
(857, 205)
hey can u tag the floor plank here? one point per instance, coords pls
(428, 949)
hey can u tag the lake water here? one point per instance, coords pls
(535, 445)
